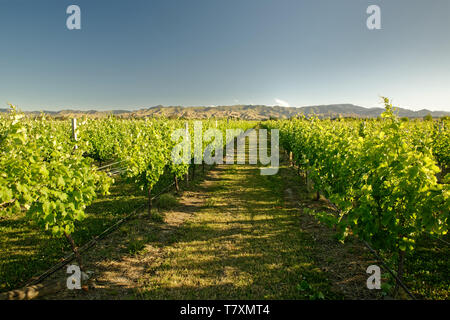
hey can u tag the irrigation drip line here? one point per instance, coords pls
(383, 262)
(163, 190)
(82, 249)
(115, 170)
(437, 238)
(389, 270)
(109, 165)
(112, 172)
(92, 242)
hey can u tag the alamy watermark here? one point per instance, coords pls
(213, 152)
(374, 281)
(74, 280)
(373, 22)
(73, 21)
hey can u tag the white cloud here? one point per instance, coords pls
(282, 103)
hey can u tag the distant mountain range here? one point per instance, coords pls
(247, 112)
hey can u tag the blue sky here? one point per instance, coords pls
(135, 54)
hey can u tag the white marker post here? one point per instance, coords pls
(74, 131)
(187, 141)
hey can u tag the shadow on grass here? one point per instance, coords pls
(249, 246)
(26, 250)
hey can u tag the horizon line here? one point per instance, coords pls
(135, 109)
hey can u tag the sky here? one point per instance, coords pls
(141, 53)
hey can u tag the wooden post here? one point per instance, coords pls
(188, 141)
(400, 268)
(177, 187)
(308, 181)
(150, 204)
(74, 131)
(74, 249)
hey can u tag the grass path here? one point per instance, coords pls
(234, 235)
(242, 243)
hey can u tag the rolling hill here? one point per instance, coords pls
(247, 112)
